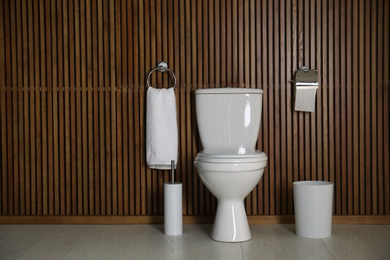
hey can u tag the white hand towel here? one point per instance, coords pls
(161, 128)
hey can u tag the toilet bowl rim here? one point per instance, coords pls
(255, 157)
(230, 167)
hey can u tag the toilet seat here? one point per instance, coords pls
(231, 155)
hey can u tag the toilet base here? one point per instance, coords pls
(231, 222)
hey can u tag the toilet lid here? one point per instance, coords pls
(241, 155)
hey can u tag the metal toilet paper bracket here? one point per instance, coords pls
(305, 89)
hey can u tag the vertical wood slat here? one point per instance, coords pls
(132, 153)
(67, 171)
(21, 82)
(30, 106)
(73, 100)
(91, 149)
(361, 113)
(386, 128)
(84, 120)
(380, 168)
(374, 122)
(4, 75)
(367, 112)
(289, 147)
(95, 114)
(283, 112)
(121, 101)
(79, 105)
(47, 115)
(355, 82)
(53, 150)
(61, 182)
(25, 114)
(3, 177)
(328, 161)
(15, 175)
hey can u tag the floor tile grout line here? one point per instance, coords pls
(348, 226)
(281, 241)
(327, 248)
(7, 238)
(43, 239)
(78, 244)
(15, 232)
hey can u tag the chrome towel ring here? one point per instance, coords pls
(162, 66)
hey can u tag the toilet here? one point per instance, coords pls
(229, 165)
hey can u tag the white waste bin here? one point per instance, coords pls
(313, 202)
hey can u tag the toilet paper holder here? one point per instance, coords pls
(305, 89)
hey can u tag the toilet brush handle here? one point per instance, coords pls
(173, 171)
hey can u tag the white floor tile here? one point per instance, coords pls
(345, 244)
(60, 243)
(211, 249)
(25, 239)
(141, 242)
(55, 247)
(185, 246)
(101, 242)
(7, 231)
(150, 242)
(218, 250)
(265, 244)
(301, 248)
(376, 237)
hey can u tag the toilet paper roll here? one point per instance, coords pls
(305, 99)
(173, 214)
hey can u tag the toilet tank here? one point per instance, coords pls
(228, 117)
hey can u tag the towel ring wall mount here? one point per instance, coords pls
(162, 66)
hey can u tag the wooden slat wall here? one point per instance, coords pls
(72, 100)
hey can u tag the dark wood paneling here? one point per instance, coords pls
(72, 100)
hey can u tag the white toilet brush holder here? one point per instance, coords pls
(173, 213)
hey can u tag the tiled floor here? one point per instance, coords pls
(149, 242)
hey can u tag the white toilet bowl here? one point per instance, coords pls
(230, 178)
(230, 167)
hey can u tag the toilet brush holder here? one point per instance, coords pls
(173, 213)
(173, 216)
